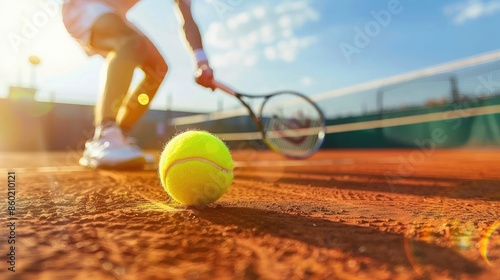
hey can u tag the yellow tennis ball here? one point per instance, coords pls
(196, 168)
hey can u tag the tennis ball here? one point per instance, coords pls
(196, 168)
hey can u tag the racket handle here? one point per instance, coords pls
(223, 87)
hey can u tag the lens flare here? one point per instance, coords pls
(143, 99)
(418, 230)
(485, 240)
(434, 231)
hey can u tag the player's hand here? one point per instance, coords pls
(204, 75)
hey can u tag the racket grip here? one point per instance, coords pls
(223, 87)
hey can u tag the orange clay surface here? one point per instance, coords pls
(342, 214)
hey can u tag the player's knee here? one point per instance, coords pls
(161, 68)
(133, 47)
(156, 70)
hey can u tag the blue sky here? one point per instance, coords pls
(259, 46)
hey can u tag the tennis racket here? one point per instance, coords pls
(290, 123)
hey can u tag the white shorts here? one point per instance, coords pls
(79, 17)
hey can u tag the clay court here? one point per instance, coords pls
(341, 214)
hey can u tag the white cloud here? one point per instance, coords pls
(218, 37)
(306, 81)
(287, 49)
(291, 6)
(259, 12)
(234, 57)
(250, 60)
(285, 21)
(462, 12)
(268, 32)
(226, 59)
(248, 41)
(271, 53)
(238, 20)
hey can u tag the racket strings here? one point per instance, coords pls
(294, 136)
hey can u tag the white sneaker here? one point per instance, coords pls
(111, 151)
(150, 159)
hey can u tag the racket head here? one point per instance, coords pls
(292, 124)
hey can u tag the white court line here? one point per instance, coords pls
(270, 163)
(51, 169)
(46, 169)
(390, 122)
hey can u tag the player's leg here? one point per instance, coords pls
(100, 30)
(126, 50)
(155, 69)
